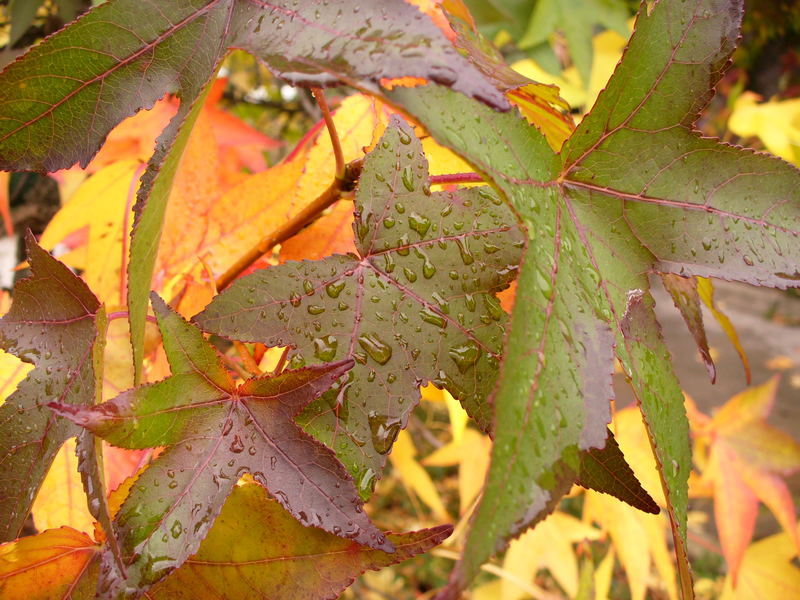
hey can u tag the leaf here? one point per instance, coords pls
(746, 461)
(216, 431)
(767, 571)
(49, 121)
(414, 476)
(612, 207)
(61, 501)
(605, 470)
(103, 204)
(687, 300)
(53, 324)
(577, 21)
(776, 123)
(57, 563)
(705, 290)
(254, 548)
(416, 305)
(548, 546)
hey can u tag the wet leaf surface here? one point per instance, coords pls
(53, 324)
(216, 431)
(415, 305)
(613, 206)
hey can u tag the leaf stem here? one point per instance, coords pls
(319, 96)
(293, 226)
(248, 361)
(456, 178)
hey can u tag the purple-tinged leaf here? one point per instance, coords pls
(635, 190)
(686, 299)
(605, 470)
(417, 304)
(60, 100)
(215, 432)
(257, 550)
(53, 324)
(254, 550)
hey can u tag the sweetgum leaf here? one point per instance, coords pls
(53, 324)
(255, 550)
(59, 101)
(276, 557)
(687, 300)
(416, 305)
(216, 431)
(605, 470)
(634, 190)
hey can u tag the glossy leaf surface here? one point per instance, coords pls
(415, 305)
(215, 432)
(53, 324)
(612, 207)
(255, 550)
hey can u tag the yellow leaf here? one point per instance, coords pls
(12, 371)
(102, 203)
(414, 476)
(627, 532)
(767, 572)
(61, 500)
(547, 546)
(476, 450)
(776, 123)
(705, 289)
(603, 575)
(47, 566)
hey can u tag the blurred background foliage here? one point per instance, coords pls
(593, 546)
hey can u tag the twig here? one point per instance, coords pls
(249, 362)
(319, 96)
(305, 217)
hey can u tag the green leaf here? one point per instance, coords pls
(21, 13)
(686, 299)
(216, 431)
(605, 470)
(53, 324)
(576, 20)
(416, 305)
(255, 549)
(614, 206)
(59, 101)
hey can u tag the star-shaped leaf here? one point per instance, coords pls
(255, 549)
(746, 461)
(415, 305)
(216, 431)
(56, 324)
(634, 190)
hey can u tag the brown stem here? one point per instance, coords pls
(247, 359)
(319, 96)
(293, 226)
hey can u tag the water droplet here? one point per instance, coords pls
(378, 350)
(273, 462)
(419, 223)
(465, 355)
(226, 428)
(384, 432)
(408, 178)
(334, 289)
(176, 529)
(315, 309)
(325, 347)
(237, 445)
(430, 316)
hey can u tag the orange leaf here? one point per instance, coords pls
(53, 564)
(735, 507)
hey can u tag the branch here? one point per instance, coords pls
(319, 96)
(292, 227)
